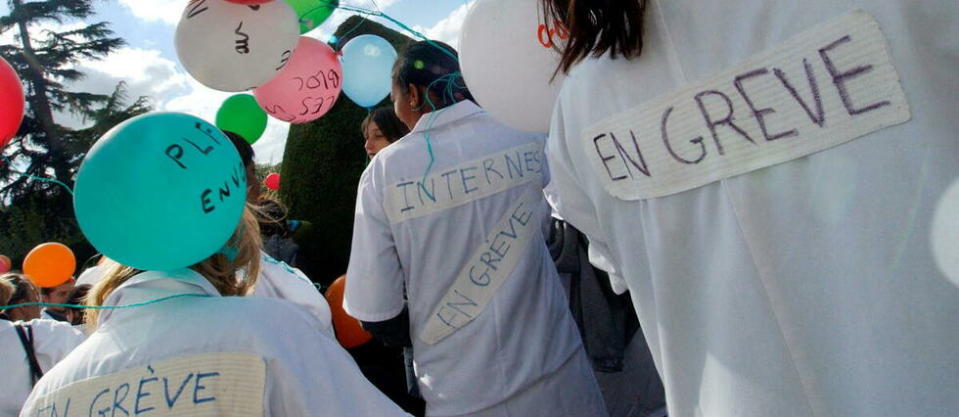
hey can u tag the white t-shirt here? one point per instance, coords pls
(279, 280)
(424, 239)
(807, 288)
(52, 341)
(306, 372)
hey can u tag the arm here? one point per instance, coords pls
(374, 284)
(392, 332)
(567, 195)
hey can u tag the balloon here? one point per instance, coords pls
(348, 329)
(5, 264)
(508, 60)
(160, 191)
(11, 108)
(50, 264)
(235, 47)
(313, 13)
(272, 181)
(307, 88)
(241, 115)
(367, 68)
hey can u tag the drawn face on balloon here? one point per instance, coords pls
(235, 47)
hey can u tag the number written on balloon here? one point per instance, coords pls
(326, 79)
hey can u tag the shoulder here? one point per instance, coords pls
(55, 329)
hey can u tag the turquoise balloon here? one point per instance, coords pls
(160, 191)
(367, 66)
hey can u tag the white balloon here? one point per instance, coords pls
(234, 47)
(508, 58)
(945, 233)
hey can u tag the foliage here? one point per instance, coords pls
(322, 164)
(31, 211)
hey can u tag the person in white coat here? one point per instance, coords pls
(463, 233)
(204, 350)
(763, 178)
(29, 345)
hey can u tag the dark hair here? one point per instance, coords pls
(425, 64)
(78, 296)
(242, 146)
(391, 126)
(21, 285)
(597, 26)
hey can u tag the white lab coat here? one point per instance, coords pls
(276, 280)
(307, 373)
(523, 348)
(805, 289)
(279, 280)
(52, 341)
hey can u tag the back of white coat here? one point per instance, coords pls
(808, 288)
(304, 371)
(52, 341)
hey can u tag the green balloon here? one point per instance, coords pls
(241, 115)
(312, 13)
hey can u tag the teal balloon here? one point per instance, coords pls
(160, 191)
(313, 13)
(241, 115)
(367, 66)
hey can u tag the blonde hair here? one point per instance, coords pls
(218, 269)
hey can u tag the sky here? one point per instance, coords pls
(149, 65)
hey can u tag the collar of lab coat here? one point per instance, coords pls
(152, 285)
(446, 116)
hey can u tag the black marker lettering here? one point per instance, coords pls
(759, 114)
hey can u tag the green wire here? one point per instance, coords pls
(34, 177)
(80, 306)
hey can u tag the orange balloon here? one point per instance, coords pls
(5, 264)
(50, 264)
(348, 329)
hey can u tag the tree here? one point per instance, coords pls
(322, 164)
(46, 61)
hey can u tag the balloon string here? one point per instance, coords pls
(81, 306)
(326, 4)
(449, 78)
(34, 177)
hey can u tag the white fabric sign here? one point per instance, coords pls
(463, 183)
(220, 384)
(486, 270)
(820, 89)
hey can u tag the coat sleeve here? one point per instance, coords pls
(374, 284)
(568, 198)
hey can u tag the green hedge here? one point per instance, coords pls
(322, 165)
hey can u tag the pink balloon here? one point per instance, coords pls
(307, 87)
(5, 264)
(272, 181)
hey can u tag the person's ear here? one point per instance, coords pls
(416, 99)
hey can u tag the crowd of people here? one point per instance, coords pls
(680, 239)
